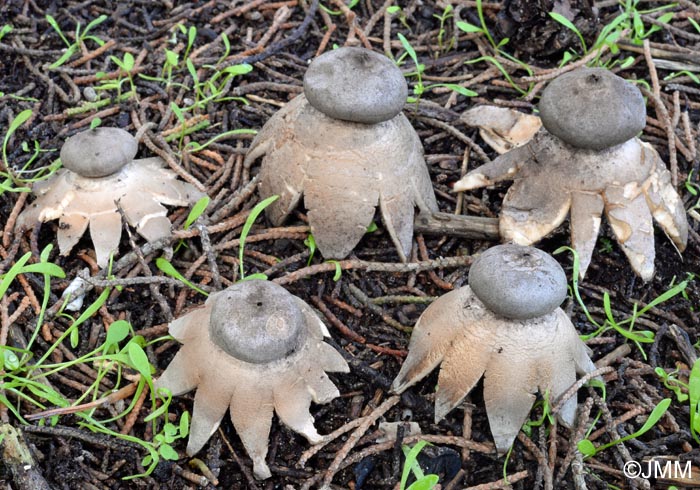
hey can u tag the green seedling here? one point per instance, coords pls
(196, 211)
(126, 65)
(350, 6)
(338, 270)
(411, 465)
(80, 38)
(694, 24)
(623, 327)
(587, 448)
(167, 436)
(395, 9)
(25, 380)
(168, 269)
(227, 48)
(694, 399)
(194, 147)
(7, 173)
(419, 88)
(191, 34)
(5, 30)
(310, 242)
(447, 14)
(483, 29)
(685, 73)
(254, 213)
(672, 383)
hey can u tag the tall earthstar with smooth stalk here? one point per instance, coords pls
(506, 326)
(345, 146)
(253, 348)
(585, 161)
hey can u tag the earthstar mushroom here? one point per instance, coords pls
(253, 348)
(585, 161)
(100, 175)
(345, 146)
(507, 326)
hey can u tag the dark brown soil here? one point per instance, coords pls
(279, 39)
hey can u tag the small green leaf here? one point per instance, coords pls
(139, 359)
(409, 49)
(9, 360)
(197, 210)
(241, 69)
(184, 424)
(428, 482)
(395, 8)
(168, 453)
(178, 112)
(254, 213)
(257, 276)
(586, 448)
(95, 123)
(117, 332)
(467, 27)
(171, 57)
(371, 228)
(167, 268)
(338, 270)
(74, 338)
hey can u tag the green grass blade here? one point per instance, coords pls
(254, 213)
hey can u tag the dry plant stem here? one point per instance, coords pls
(327, 439)
(367, 301)
(662, 112)
(121, 394)
(356, 264)
(12, 219)
(245, 469)
(613, 356)
(460, 195)
(201, 466)
(461, 442)
(584, 413)
(423, 253)
(577, 386)
(541, 460)
(349, 333)
(609, 427)
(355, 437)
(211, 256)
(18, 461)
(457, 134)
(199, 480)
(504, 483)
(552, 73)
(635, 412)
(236, 201)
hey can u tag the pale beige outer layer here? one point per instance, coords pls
(343, 170)
(517, 358)
(138, 188)
(502, 128)
(629, 182)
(251, 391)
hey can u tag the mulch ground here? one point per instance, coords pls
(369, 312)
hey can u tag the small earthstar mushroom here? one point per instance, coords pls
(345, 146)
(99, 176)
(585, 161)
(507, 326)
(253, 348)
